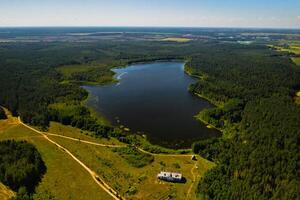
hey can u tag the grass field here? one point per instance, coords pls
(176, 39)
(5, 192)
(138, 182)
(296, 60)
(66, 179)
(69, 131)
(297, 98)
(293, 47)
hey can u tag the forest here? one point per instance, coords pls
(258, 155)
(21, 167)
(33, 86)
(252, 87)
(2, 113)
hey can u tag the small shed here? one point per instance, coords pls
(193, 157)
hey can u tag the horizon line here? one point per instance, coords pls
(140, 26)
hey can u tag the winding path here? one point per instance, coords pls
(85, 141)
(193, 181)
(100, 182)
(142, 150)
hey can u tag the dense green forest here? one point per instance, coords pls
(21, 166)
(258, 157)
(252, 87)
(31, 81)
(2, 114)
(35, 84)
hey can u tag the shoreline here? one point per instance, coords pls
(145, 141)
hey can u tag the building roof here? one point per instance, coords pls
(174, 175)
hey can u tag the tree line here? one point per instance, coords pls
(21, 166)
(252, 85)
(2, 113)
(258, 156)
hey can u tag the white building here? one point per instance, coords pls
(170, 176)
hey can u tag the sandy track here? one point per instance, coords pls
(85, 141)
(96, 177)
(100, 182)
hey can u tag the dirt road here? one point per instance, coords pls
(100, 182)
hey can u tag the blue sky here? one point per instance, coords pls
(189, 13)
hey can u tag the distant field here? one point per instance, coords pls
(271, 34)
(297, 98)
(296, 60)
(64, 179)
(177, 39)
(292, 48)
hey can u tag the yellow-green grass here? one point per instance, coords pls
(292, 48)
(297, 98)
(208, 125)
(69, 131)
(296, 60)
(64, 178)
(5, 192)
(139, 183)
(5, 124)
(295, 48)
(270, 34)
(176, 39)
(101, 119)
(70, 109)
(9, 122)
(215, 103)
(59, 129)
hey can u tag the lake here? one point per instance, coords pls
(153, 99)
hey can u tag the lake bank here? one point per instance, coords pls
(153, 99)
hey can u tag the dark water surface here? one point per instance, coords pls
(153, 99)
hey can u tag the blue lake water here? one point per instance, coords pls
(153, 99)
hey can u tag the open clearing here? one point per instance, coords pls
(297, 98)
(176, 39)
(59, 129)
(66, 179)
(296, 60)
(292, 48)
(137, 183)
